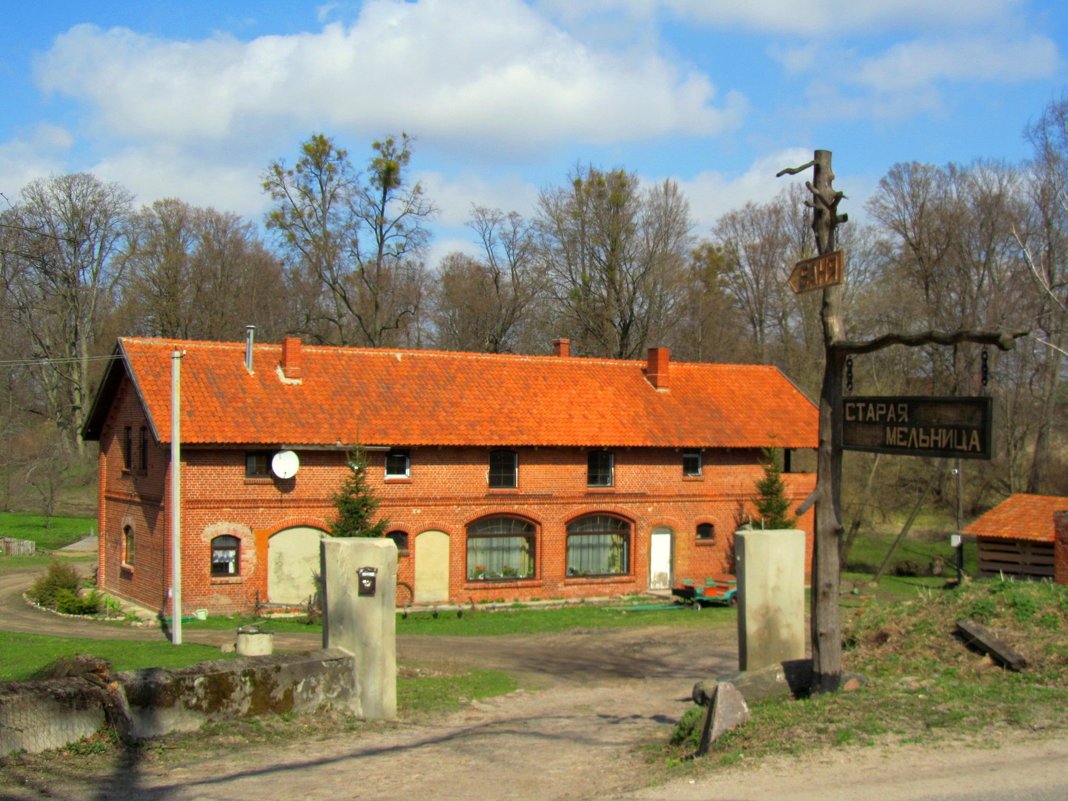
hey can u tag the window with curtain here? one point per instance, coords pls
(500, 549)
(225, 556)
(598, 545)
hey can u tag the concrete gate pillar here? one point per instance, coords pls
(771, 597)
(359, 616)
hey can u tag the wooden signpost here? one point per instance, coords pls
(818, 273)
(918, 426)
(921, 426)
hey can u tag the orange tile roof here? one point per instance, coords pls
(418, 397)
(1020, 517)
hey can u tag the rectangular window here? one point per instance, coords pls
(398, 464)
(600, 469)
(691, 463)
(142, 454)
(127, 448)
(258, 464)
(503, 469)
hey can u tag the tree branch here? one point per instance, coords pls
(1003, 340)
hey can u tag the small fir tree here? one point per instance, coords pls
(771, 502)
(356, 503)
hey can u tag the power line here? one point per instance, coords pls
(46, 360)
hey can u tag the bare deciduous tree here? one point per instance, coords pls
(615, 257)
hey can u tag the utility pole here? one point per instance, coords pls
(176, 497)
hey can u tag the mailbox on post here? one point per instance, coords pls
(368, 579)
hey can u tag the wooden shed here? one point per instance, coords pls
(1016, 537)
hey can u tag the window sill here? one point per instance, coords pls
(226, 580)
(499, 583)
(600, 490)
(126, 571)
(398, 479)
(503, 490)
(611, 579)
(704, 543)
(693, 478)
(259, 480)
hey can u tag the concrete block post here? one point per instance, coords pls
(362, 620)
(771, 597)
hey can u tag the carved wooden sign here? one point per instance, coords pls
(819, 272)
(915, 426)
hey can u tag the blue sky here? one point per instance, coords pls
(504, 97)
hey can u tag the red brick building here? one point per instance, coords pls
(502, 477)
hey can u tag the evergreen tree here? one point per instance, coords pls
(356, 503)
(771, 502)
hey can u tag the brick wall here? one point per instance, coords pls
(132, 495)
(446, 491)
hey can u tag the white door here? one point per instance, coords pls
(660, 559)
(431, 567)
(292, 564)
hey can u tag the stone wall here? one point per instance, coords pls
(40, 715)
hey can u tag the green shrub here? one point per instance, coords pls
(59, 589)
(688, 730)
(60, 576)
(71, 603)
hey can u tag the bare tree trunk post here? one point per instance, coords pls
(826, 567)
(826, 579)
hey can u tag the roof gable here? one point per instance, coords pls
(415, 397)
(1020, 517)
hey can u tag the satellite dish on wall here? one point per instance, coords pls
(285, 464)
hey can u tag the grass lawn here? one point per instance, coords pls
(56, 533)
(22, 656)
(921, 682)
(517, 619)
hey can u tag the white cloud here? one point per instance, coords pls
(711, 194)
(822, 17)
(454, 197)
(159, 172)
(476, 75)
(38, 153)
(919, 63)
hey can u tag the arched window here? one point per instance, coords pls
(225, 556)
(400, 539)
(500, 549)
(127, 546)
(598, 545)
(706, 532)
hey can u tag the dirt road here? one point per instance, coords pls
(592, 700)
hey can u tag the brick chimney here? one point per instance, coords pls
(562, 347)
(656, 370)
(291, 358)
